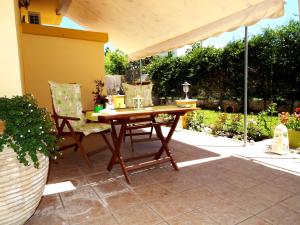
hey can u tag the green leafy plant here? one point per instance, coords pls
(220, 125)
(255, 132)
(27, 129)
(195, 121)
(265, 119)
(99, 98)
(234, 125)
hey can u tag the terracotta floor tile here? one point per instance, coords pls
(263, 173)
(82, 210)
(200, 197)
(251, 203)
(280, 215)
(140, 179)
(270, 192)
(192, 218)
(226, 213)
(240, 180)
(56, 175)
(224, 189)
(288, 182)
(103, 220)
(179, 185)
(47, 220)
(99, 177)
(121, 200)
(136, 215)
(76, 181)
(85, 192)
(49, 211)
(109, 188)
(170, 206)
(254, 221)
(50, 201)
(164, 174)
(292, 203)
(152, 192)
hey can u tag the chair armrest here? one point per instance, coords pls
(65, 117)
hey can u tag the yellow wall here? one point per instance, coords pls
(61, 59)
(10, 51)
(47, 10)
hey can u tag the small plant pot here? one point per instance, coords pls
(294, 138)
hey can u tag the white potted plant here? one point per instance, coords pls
(27, 140)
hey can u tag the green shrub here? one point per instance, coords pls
(219, 127)
(195, 121)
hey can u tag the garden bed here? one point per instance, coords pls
(260, 126)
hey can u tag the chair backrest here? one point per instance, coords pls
(131, 91)
(66, 100)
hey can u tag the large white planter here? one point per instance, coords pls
(21, 187)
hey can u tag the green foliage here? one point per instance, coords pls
(116, 62)
(99, 98)
(167, 75)
(219, 127)
(232, 125)
(274, 65)
(255, 132)
(195, 121)
(28, 129)
(266, 119)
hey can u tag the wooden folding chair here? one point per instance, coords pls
(131, 91)
(70, 120)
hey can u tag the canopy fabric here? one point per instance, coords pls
(143, 28)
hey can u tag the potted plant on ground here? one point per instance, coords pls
(99, 98)
(292, 122)
(27, 140)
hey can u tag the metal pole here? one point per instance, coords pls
(299, 9)
(141, 71)
(246, 86)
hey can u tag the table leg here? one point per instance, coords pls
(166, 140)
(118, 140)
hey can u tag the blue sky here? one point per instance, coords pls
(290, 12)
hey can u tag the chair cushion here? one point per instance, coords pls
(131, 91)
(90, 128)
(67, 101)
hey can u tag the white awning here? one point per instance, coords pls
(143, 28)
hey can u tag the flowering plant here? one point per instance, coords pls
(290, 121)
(26, 128)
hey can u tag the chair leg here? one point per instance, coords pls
(151, 131)
(80, 140)
(131, 141)
(107, 142)
(82, 150)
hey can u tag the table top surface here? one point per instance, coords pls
(129, 112)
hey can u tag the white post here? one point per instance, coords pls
(245, 86)
(299, 9)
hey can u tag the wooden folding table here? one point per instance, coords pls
(123, 117)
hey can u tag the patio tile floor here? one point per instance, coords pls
(209, 189)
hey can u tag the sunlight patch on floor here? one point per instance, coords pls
(58, 188)
(199, 161)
